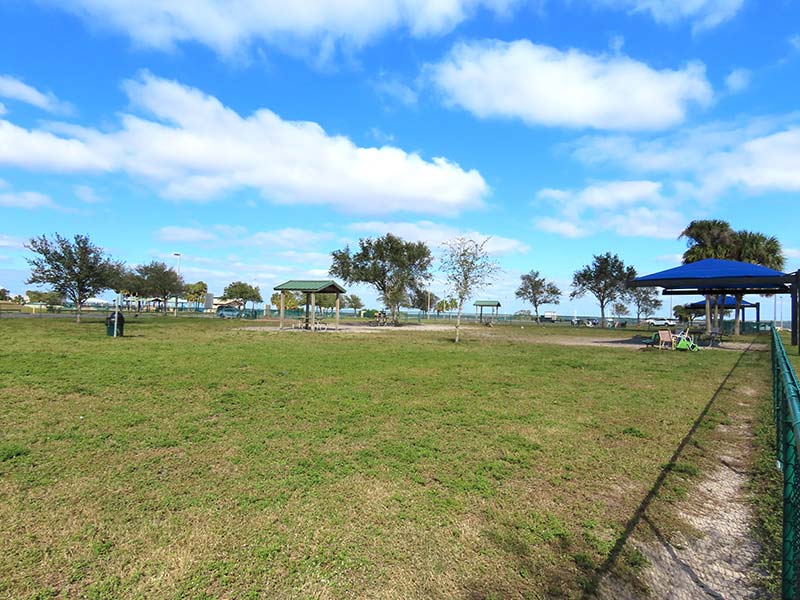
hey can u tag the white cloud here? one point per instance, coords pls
(545, 86)
(792, 252)
(3, 109)
(705, 14)
(8, 241)
(738, 80)
(756, 156)
(173, 233)
(396, 90)
(288, 236)
(26, 200)
(562, 227)
(229, 26)
(794, 41)
(629, 208)
(434, 234)
(195, 148)
(12, 88)
(87, 194)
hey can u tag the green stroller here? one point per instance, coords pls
(683, 341)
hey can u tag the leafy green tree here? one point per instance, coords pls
(243, 292)
(158, 280)
(291, 301)
(537, 291)
(645, 300)
(48, 298)
(445, 305)
(354, 302)
(605, 279)
(392, 266)
(196, 292)
(4, 295)
(325, 302)
(468, 269)
(76, 269)
(716, 239)
(17, 299)
(423, 300)
(758, 249)
(619, 309)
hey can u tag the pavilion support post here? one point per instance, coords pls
(283, 305)
(716, 314)
(313, 309)
(337, 311)
(758, 312)
(708, 315)
(793, 295)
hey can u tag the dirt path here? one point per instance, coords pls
(635, 342)
(704, 548)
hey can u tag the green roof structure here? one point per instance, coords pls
(310, 285)
(492, 303)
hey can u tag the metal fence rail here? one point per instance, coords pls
(786, 406)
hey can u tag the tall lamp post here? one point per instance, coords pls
(178, 254)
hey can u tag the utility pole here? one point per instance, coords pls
(178, 254)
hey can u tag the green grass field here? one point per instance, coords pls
(193, 460)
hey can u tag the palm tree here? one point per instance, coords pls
(758, 249)
(708, 238)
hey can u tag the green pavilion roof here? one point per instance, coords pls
(494, 303)
(311, 285)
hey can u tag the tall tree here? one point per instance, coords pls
(537, 291)
(605, 279)
(423, 300)
(354, 302)
(707, 238)
(76, 269)
(243, 292)
(468, 269)
(758, 249)
(446, 304)
(619, 309)
(290, 301)
(158, 280)
(645, 300)
(196, 292)
(4, 294)
(392, 266)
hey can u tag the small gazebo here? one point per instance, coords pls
(310, 288)
(727, 303)
(479, 305)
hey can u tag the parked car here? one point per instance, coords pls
(228, 312)
(660, 322)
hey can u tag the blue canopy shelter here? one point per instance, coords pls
(727, 303)
(717, 277)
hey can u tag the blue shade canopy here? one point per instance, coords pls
(729, 302)
(716, 273)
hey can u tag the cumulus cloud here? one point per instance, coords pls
(434, 234)
(228, 26)
(12, 88)
(738, 80)
(546, 86)
(629, 208)
(173, 233)
(87, 195)
(8, 241)
(192, 147)
(26, 200)
(704, 14)
(756, 156)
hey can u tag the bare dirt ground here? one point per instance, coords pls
(635, 342)
(711, 552)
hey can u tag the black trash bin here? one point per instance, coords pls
(110, 324)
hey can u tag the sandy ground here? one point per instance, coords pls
(635, 342)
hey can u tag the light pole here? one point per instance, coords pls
(178, 254)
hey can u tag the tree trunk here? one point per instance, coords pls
(602, 316)
(458, 320)
(536, 310)
(78, 314)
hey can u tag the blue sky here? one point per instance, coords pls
(254, 137)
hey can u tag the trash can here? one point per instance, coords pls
(110, 324)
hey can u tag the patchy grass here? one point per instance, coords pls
(193, 460)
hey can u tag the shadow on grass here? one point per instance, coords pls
(639, 514)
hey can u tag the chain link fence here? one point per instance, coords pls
(786, 398)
